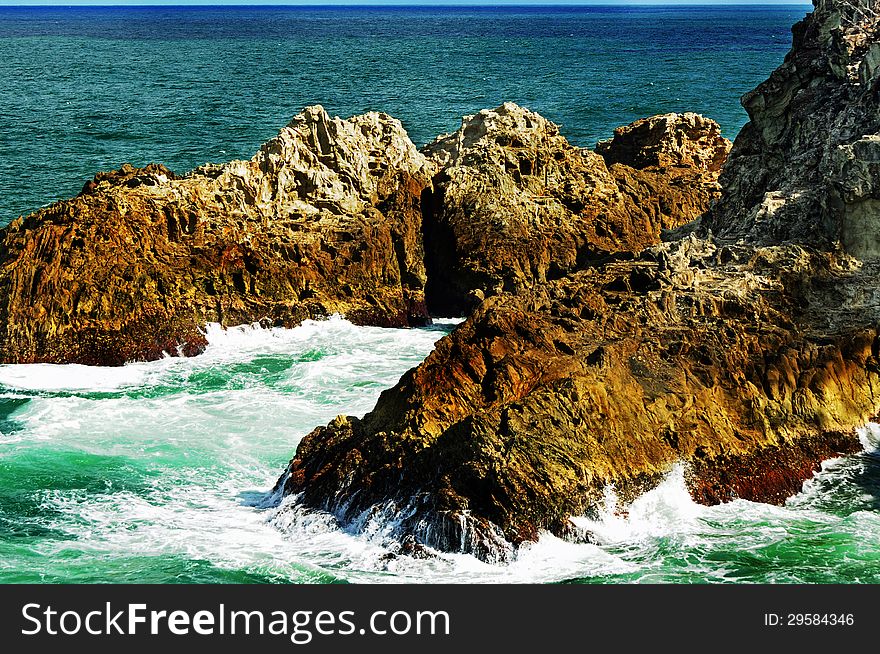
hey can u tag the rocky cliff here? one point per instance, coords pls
(325, 218)
(515, 205)
(745, 346)
(805, 166)
(332, 216)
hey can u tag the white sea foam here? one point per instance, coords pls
(206, 438)
(347, 344)
(869, 435)
(54, 377)
(665, 510)
(632, 542)
(201, 442)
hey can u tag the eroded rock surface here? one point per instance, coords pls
(805, 167)
(516, 205)
(746, 346)
(325, 218)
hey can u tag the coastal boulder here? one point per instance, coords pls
(745, 346)
(515, 205)
(325, 218)
(686, 140)
(521, 418)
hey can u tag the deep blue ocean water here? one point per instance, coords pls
(87, 89)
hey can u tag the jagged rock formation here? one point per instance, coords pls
(516, 205)
(746, 346)
(804, 167)
(325, 218)
(328, 217)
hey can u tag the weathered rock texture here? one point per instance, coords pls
(750, 355)
(328, 217)
(325, 218)
(806, 168)
(516, 205)
(521, 417)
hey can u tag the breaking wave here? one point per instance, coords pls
(159, 471)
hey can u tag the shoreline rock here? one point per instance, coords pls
(621, 320)
(746, 345)
(804, 168)
(325, 218)
(521, 417)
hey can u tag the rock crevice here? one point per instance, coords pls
(745, 345)
(514, 205)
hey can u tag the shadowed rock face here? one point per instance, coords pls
(516, 205)
(750, 355)
(325, 218)
(805, 167)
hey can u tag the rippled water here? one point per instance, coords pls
(87, 89)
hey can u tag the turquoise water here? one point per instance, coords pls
(151, 472)
(87, 89)
(161, 471)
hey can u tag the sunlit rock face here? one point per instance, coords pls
(515, 205)
(745, 345)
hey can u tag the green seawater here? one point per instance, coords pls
(162, 472)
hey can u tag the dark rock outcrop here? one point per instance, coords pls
(746, 346)
(805, 167)
(515, 205)
(325, 218)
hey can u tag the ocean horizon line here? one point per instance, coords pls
(415, 5)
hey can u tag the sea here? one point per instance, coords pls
(162, 471)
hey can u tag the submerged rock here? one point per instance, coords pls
(325, 218)
(746, 346)
(515, 205)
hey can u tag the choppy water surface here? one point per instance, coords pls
(157, 472)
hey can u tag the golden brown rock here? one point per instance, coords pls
(325, 218)
(515, 205)
(668, 141)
